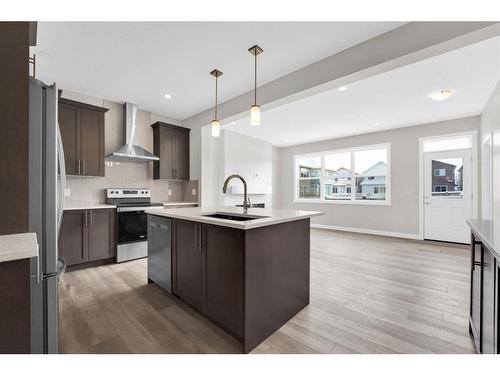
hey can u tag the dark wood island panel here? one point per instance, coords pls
(277, 264)
(249, 282)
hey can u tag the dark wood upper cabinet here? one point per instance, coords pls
(82, 132)
(171, 145)
(68, 124)
(87, 235)
(187, 258)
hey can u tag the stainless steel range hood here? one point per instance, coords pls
(130, 151)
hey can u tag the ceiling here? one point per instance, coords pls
(394, 99)
(140, 62)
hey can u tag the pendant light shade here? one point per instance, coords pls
(255, 115)
(215, 128)
(215, 122)
(255, 108)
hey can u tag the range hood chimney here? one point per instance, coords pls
(130, 151)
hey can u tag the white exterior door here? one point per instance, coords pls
(448, 195)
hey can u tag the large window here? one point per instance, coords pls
(358, 175)
(309, 177)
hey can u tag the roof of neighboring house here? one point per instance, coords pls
(378, 180)
(442, 164)
(378, 168)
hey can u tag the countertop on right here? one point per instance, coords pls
(488, 232)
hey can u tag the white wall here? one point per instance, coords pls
(490, 124)
(234, 153)
(399, 219)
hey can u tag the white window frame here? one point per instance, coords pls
(353, 201)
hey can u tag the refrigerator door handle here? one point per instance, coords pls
(62, 172)
(38, 270)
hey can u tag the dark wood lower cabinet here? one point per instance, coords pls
(484, 295)
(73, 237)
(102, 238)
(15, 308)
(249, 282)
(187, 274)
(224, 276)
(87, 235)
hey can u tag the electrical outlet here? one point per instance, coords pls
(67, 192)
(193, 191)
(169, 192)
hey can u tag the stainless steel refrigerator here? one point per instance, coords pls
(47, 181)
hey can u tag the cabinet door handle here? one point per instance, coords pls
(86, 218)
(173, 172)
(83, 166)
(90, 217)
(78, 166)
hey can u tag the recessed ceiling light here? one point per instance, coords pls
(167, 96)
(442, 94)
(233, 122)
(376, 124)
(342, 88)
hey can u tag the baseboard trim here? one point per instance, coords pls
(409, 236)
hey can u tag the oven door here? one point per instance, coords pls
(132, 225)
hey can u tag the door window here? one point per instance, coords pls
(447, 178)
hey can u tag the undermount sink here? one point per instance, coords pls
(233, 216)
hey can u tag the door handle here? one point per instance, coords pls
(83, 166)
(90, 218)
(86, 218)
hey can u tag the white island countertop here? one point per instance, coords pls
(271, 216)
(87, 206)
(18, 246)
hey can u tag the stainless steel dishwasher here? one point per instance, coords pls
(160, 251)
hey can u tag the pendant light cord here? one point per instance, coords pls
(216, 78)
(255, 77)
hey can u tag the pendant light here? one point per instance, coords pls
(215, 122)
(255, 109)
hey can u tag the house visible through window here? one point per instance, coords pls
(440, 172)
(309, 180)
(358, 174)
(440, 188)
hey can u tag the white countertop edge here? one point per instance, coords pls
(189, 215)
(88, 206)
(478, 226)
(18, 246)
(179, 203)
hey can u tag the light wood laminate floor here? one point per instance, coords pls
(368, 295)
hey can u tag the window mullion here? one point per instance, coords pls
(321, 186)
(353, 178)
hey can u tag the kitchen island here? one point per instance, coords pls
(248, 273)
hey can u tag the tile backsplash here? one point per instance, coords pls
(122, 175)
